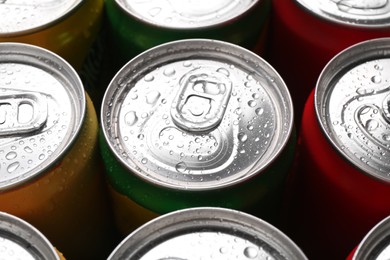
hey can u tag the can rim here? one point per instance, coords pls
(185, 43)
(344, 60)
(303, 5)
(37, 55)
(196, 219)
(216, 25)
(28, 233)
(64, 16)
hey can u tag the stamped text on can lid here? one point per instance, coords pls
(21, 16)
(362, 13)
(197, 114)
(42, 107)
(186, 13)
(353, 105)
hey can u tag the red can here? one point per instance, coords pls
(343, 184)
(306, 34)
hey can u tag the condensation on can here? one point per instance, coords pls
(207, 233)
(198, 123)
(21, 240)
(49, 157)
(68, 28)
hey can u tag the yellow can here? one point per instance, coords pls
(50, 170)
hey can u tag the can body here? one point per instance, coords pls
(302, 41)
(135, 29)
(167, 152)
(67, 32)
(341, 190)
(54, 178)
(205, 233)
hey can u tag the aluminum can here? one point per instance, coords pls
(343, 185)
(198, 123)
(306, 34)
(51, 174)
(139, 25)
(207, 233)
(68, 28)
(20, 240)
(375, 244)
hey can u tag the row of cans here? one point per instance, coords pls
(196, 122)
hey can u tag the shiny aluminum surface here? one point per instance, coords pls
(22, 16)
(376, 244)
(197, 115)
(353, 105)
(42, 106)
(186, 13)
(207, 233)
(361, 13)
(20, 240)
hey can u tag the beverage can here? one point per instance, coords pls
(198, 123)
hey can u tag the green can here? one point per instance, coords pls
(198, 123)
(139, 25)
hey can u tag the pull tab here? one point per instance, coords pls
(21, 112)
(201, 100)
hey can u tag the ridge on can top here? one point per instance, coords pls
(42, 106)
(352, 101)
(186, 14)
(362, 13)
(22, 16)
(197, 114)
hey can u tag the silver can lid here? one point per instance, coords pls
(21, 240)
(42, 106)
(186, 14)
(352, 101)
(376, 244)
(362, 13)
(197, 114)
(207, 233)
(24, 16)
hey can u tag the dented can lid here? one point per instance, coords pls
(42, 106)
(207, 233)
(186, 14)
(361, 13)
(21, 240)
(197, 114)
(24, 16)
(352, 101)
(376, 244)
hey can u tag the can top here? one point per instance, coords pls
(197, 114)
(207, 233)
(352, 102)
(376, 244)
(21, 240)
(186, 14)
(361, 13)
(42, 106)
(24, 16)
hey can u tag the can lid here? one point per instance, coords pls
(42, 106)
(24, 16)
(207, 233)
(376, 244)
(361, 13)
(21, 240)
(352, 101)
(197, 114)
(186, 14)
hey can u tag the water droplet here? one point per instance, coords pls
(181, 167)
(371, 125)
(152, 97)
(242, 137)
(41, 156)
(13, 166)
(250, 252)
(252, 103)
(11, 155)
(131, 118)
(200, 157)
(386, 137)
(149, 78)
(378, 67)
(154, 11)
(144, 160)
(259, 111)
(187, 63)
(250, 127)
(376, 79)
(224, 71)
(169, 72)
(140, 136)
